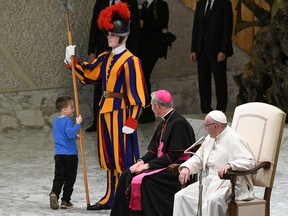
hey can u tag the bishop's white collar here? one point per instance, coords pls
(171, 110)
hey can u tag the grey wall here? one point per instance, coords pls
(33, 38)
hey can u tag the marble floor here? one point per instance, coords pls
(27, 168)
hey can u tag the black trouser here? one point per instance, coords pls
(208, 65)
(65, 174)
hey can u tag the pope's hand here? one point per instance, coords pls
(184, 175)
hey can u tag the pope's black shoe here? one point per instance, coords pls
(98, 206)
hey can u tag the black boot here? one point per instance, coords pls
(93, 127)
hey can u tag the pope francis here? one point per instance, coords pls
(222, 149)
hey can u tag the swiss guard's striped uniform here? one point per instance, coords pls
(123, 97)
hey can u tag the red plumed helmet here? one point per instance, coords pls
(115, 19)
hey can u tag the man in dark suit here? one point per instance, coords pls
(211, 45)
(154, 18)
(98, 44)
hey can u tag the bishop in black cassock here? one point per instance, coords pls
(173, 135)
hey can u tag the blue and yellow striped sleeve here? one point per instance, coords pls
(89, 73)
(134, 82)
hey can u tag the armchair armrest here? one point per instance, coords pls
(230, 173)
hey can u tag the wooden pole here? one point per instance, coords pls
(78, 111)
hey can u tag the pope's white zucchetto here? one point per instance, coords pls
(218, 116)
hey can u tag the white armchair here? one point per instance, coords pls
(261, 126)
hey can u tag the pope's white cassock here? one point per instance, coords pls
(227, 147)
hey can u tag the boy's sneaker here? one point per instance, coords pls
(53, 201)
(66, 205)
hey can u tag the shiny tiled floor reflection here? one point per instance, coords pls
(27, 167)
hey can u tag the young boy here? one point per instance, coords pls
(66, 153)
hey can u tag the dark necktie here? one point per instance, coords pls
(144, 5)
(113, 2)
(208, 9)
(143, 9)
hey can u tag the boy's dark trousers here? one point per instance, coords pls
(65, 174)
